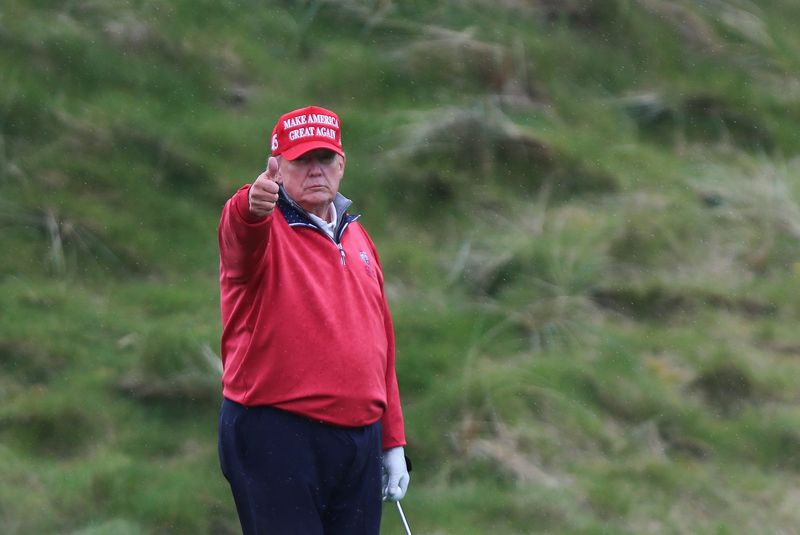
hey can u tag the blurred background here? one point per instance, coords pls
(589, 221)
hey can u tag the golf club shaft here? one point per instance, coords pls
(403, 518)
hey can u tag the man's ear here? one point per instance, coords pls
(343, 162)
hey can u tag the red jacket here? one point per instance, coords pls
(306, 325)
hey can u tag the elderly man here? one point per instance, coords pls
(311, 430)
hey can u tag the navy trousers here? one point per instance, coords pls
(291, 475)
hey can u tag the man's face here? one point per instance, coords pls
(312, 180)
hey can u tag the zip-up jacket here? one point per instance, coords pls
(306, 325)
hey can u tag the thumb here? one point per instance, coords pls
(272, 168)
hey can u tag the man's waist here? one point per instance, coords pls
(339, 412)
(288, 413)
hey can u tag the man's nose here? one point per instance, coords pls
(316, 167)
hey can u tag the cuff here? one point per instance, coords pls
(241, 202)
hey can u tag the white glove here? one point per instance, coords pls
(395, 474)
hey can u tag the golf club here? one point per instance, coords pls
(403, 518)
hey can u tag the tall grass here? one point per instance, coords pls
(587, 214)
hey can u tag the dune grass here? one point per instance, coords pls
(587, 214)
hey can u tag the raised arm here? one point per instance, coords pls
(244, 226)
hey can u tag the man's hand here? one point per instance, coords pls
(395, 474)
(264, 192)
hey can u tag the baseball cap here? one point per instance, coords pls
(305, 129)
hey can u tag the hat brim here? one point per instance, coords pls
(298, 150)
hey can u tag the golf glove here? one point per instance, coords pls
(395, 474)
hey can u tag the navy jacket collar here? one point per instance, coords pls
(296, 216)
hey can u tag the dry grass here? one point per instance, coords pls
(761, 199)
(469, 136)
(686, 22)
(503, 446)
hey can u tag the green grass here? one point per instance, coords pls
(587, 214)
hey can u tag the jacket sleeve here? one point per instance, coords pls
(393, 423)
(242, 238)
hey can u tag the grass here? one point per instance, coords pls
(587, 215)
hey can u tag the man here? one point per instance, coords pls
(311, 431)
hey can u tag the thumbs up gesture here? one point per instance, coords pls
(264, 192)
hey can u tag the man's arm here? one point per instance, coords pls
(243, 231)
(395, 471)
(392, 422)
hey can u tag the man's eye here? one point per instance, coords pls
(326, 158)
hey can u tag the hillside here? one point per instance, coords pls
(588, 215)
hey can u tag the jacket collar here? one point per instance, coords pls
(295, 215)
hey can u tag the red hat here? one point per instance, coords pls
(300, 131)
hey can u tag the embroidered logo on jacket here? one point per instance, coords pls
(365, 258)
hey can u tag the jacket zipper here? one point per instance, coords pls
(342, 254)
(345, 222)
